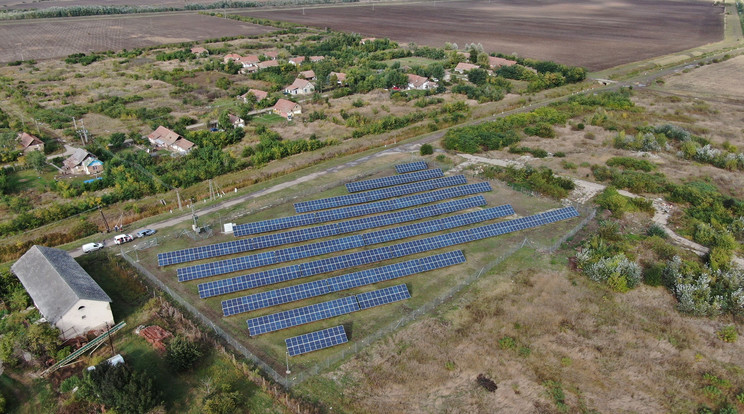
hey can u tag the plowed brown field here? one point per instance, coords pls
(593, 34)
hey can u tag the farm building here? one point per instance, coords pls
(236, 121)
(463, 67)
(299, 87)
(29, 142)
(231, 56)
(495, 62)
(297, 61)
(340, 77)
(197, 50)
(82, 162)
(308, 74)
(272, 55)
(163, 137)
(420, 82)
(286, 108)
(259, 94)
(63, 292)
(248, 61)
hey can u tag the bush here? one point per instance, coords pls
(182, 354)
(120, 388)
(631, 163)
(728, 333)
(426, 149)
(656, 230)
(618, 272)
(654, 275)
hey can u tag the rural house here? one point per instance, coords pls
(420, 82)
(267, 64)
(340, 77)
(297, 61)
(463, 67)
(272, 55)
(82, 162)
(231, 56)
(248, 61)
(29, 143)
(495, 62)
(66, 296)
(236, 121)
(299, 87)
(197, 50)
(287, 109)
(164, 138)
(308, 74)
(316, 58)
(259, 94)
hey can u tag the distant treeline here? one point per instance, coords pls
(73, 11)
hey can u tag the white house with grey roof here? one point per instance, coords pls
(63, 292)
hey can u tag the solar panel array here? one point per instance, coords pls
(283, 274)
(358, 210)
(315, 341)
(379, 194)
(411, 166)
(338, 283)
(289, 254)
(324, 310)
(313, 233)
(393, 180)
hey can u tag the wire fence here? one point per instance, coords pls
(297, 378)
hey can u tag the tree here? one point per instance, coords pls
(478, 76)
(426, 149)
(182, 354)
(222, 401)
(36, 159)
(224, 121)
(120, 388)
(116, 140)
(223, 83)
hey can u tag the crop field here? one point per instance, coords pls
(711, 81)
(576, 32)
(56, 38)
(359, 325)
(45, 4)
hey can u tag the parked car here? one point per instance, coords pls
(91, 247)
(145, 232)
(123, 238)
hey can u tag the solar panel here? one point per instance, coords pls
(379, 194)
(411, 166)
(336, 284)
(317, 340)
(301, 316)
(383, 296)
(239, 283)
(361, 210)
(336, 245)
(393, 180)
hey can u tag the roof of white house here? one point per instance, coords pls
(462, 66)
(55, 281)
(27, 140)
(285, 106)
(165, 135)
(299, 84)
(307, 74)
(497, 61)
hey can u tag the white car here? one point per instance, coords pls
(123, 238)
(91, 247)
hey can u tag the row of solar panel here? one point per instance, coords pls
(325, 310)
(365, 185)
(317, 232)
(411, 166)
(338, 283)
(379, 194)
(289, 254)
(315, 341)
(284, 274)
(342, 213)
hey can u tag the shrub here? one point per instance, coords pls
(631, 163)
(182, 354)
(617, 271)
(426, 149)
(507, 342)
(559, 154)
(728, 333)
(656, 230)
(654, 275)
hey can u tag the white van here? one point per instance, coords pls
(91, 247)
(123, 238)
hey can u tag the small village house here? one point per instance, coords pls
(236, 121)
(420, 82)
(164, 138)
(30, 143)
(287, 109)
(496, 62)
(308, 74)
(340, 77)
(299, 87)
(82, 162)
(297, 60)
(66, 296)
(463, 67)
(259, 94)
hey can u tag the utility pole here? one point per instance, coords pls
(211, 190)
(178, 195)
(108, 229)
(111, 341)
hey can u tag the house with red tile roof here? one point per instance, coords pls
(316, 58)
(308, 74)
(340, 77)
(259, 94)
(420, 82)
(165, 138)
(297, 60)
(30, 143)
(231, 56)
(495, 62)
(463, 67)
(286, 108)
(300, 87)
(272, 55)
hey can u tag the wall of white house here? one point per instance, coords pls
(85, 316)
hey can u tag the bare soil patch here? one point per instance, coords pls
(55, 38)
(576, 32)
